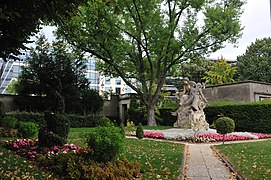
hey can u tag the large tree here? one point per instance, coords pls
(221, 72)
(143, 40)
(54, 71)
(255, 63)
(21, 19)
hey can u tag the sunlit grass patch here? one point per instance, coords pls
(252, 160)
(159, 160)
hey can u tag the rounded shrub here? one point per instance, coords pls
(106, 142)
(139, 131)
(105, 121)
(224, 125)
(28, 129)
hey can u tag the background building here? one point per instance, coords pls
(104, 84)
(10, 71)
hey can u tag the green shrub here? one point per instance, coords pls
(75, 166)
(168, 118)
(106, 142)
(56, 131)
(90, 120)
(9, 122)
(104, 121)
(27, 130)
(49, 139)
(253, 117)
(224, 125)
(139, 131)
(24, 116)
(122, 129)
(58, 124)
(137, 116)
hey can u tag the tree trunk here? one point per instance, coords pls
(151, 116)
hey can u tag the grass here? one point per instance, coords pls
(251, 160)
(159, 160)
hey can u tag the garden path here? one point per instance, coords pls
(203, 164)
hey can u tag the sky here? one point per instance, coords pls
(255, 19)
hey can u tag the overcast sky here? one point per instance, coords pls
(255, 20)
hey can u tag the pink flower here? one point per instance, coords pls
(157, 135)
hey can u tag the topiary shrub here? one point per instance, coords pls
(224, 125)
(27, 130)
(56, 131)
(106, 142)
(58, 124)
(139, 131)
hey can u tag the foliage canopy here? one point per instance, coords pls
(255, 63)
(142, 40)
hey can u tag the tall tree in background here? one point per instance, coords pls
(221, 72)
(255, 63)
(21, 19)
(55, 72)
(194, 69)
(143, 40)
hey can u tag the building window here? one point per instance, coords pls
(128, 90)
(117, 91)
(91, 64)
(118, 81)
(107, 89)
(94, 78)
(94, 87)
(107, 80)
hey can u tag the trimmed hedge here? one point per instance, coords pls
(24, 116)
(248, 117)
(91, 120)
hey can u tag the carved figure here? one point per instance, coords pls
(192, 102)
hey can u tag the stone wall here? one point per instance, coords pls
(245, 91)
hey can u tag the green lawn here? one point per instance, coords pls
(159, 160)
(252, 160)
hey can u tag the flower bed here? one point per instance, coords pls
(235, 136)
(211, 137)
(156, 135)
(30, 149)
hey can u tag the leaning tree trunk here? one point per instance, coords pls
(151, 116)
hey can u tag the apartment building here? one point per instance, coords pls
(10, 71)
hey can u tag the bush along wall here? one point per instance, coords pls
(247, 117)
(91, 120)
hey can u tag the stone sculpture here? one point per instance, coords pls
(190, 114)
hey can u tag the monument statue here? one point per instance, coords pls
(190, 114)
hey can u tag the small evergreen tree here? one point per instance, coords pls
(139, 131)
